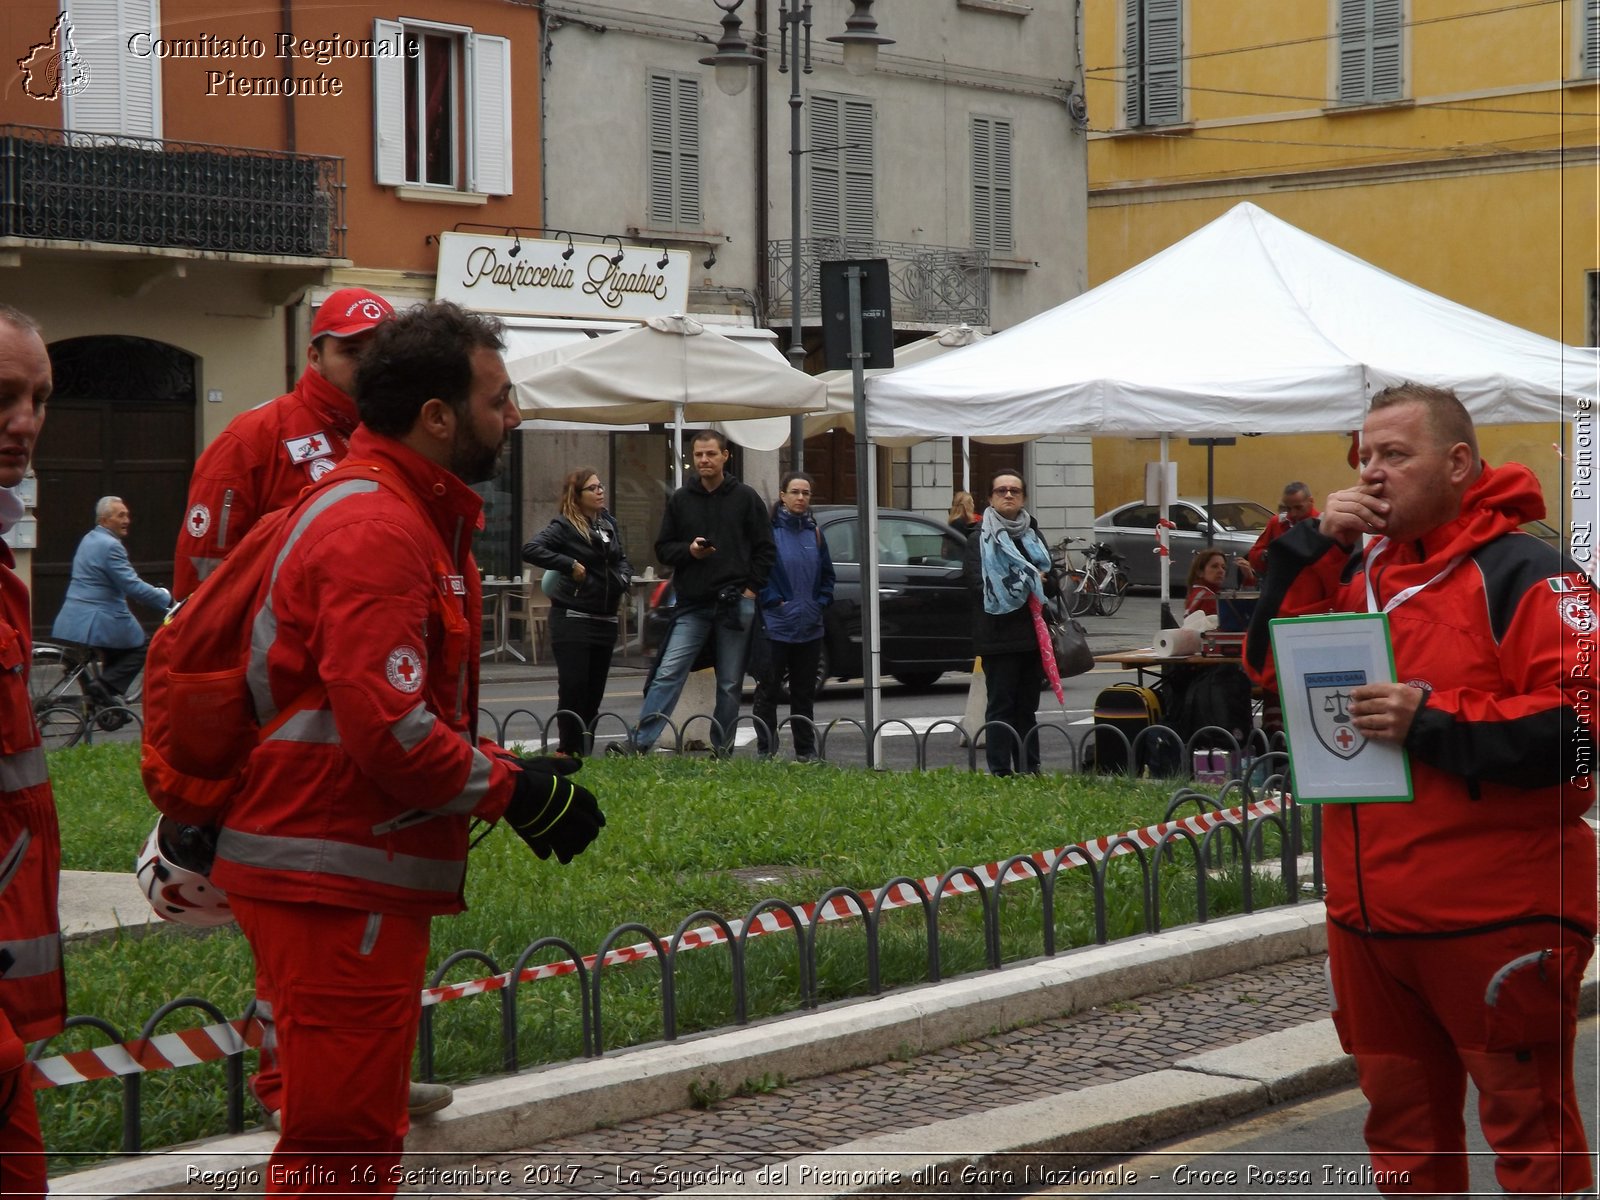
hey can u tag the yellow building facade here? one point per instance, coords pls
(1449, 142)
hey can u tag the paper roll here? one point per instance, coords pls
(1177, 643)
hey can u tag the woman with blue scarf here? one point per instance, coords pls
(798, 589)
(1006, 563)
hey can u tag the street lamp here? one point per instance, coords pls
(860, 42)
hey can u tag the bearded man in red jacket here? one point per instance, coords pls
(1459, 925)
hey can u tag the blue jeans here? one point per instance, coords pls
(690, 629)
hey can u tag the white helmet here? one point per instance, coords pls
(172, 870)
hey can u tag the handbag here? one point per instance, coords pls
(1071, 646)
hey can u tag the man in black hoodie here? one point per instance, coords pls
(716, 536)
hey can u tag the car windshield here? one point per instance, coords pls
(1240, 515)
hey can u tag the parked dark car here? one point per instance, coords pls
(1130, 530)
(924, 610)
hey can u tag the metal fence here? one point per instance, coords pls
(58, 185)
(1240, 841)
(929, 285)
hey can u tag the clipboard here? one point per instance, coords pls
(1319, 660)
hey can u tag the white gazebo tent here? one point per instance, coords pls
(1246, 325)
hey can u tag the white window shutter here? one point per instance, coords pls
(822, 129)
(123, 92)
(388, 109)
(489, 142)
(687, 128)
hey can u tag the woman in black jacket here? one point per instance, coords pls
(1006, 561)
(583, 547)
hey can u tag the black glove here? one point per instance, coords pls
(550, 812)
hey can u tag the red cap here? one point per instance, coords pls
(350, 311)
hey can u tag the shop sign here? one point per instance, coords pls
(482, 273)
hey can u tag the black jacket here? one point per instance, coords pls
(735, 520)
(1002, 633)
(559, 544)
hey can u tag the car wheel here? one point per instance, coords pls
(918, 679)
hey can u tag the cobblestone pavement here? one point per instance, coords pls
(666, 1153)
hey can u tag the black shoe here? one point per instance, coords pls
(625, 749)
(112, 719)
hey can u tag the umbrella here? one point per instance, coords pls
(668, 369)
(1047, 651)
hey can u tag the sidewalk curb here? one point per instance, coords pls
(521, 1111)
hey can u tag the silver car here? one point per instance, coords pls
(1130, 530)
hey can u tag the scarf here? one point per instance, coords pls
(1010, 571)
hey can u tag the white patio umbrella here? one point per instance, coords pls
(668, 369)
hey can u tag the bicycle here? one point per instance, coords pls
(61, 681)
(1098, 587)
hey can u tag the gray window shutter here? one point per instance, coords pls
(991, 185)
(388, 109)
(123, 92)
(1153, 50)
(1386, 34)
(822, 129)
(1591, 37)
(687, 126)
(488, 61)
(672, 183)
(860, 189)
(1355, 23)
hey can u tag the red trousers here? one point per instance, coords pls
(344, 988)
(22, 1161)
(1422, 1014)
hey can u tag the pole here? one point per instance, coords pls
(867, 523)
(789, 21)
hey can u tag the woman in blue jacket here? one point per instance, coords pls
(798, 589)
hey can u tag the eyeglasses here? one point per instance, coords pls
(1005, 491)
(593, 487)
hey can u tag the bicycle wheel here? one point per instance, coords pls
(1112, 589)
(1076, 594)
(61, 726)
(55, 678)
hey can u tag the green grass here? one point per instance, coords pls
(681, 835)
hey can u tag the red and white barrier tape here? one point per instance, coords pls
(211, 1043)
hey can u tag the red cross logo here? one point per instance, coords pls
(314, 445)
(198, 521)
(404, 669)
(1344, 737)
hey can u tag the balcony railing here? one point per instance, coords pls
(929, 285)
(75, 187)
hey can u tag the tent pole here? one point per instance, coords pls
(1166, 559)
(677, 445)
(867, 523)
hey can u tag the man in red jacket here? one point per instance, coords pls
(349, 833)
(1459, 924)
(33, 997)
(1294, 506)
(266, 456)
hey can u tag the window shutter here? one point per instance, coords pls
(1352, 34)
(1132, 65)
(982, 183)
(1386, 34)
(687, 127)
(1004, 239)
(860, 193)
(489, 139)
(388, 109)
(123, 93)
(658, 174)
(1591, 37)
(822, 121)
(1163, 62)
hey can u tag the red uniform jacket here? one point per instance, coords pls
(260, 463)
(33, 996)
(1256, 556)
(1502, 751)
(363, 800)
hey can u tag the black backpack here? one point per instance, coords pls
(1218, 696)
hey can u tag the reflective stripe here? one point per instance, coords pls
(269, 1027)
(410, 729)
(264, 629)
(369, 938)
(316, 856)
(12, 862)
(477, 786)
(24, 769)
(222, 519)
(27, 957)
(315, 725)
(204, 566)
